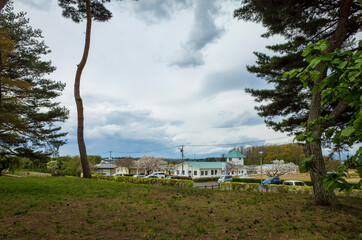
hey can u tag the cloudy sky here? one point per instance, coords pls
(160, 74)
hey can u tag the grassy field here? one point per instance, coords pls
(74, 208)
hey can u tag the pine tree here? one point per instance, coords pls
(301, 23)
(77, 10)
(29, 116)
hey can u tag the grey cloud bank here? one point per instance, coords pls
(203, 32)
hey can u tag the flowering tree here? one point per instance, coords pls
(230, 167)
(278, 168)
(150, 163)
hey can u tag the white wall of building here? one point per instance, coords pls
(236, 160)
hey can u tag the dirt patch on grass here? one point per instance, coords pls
(66, 208)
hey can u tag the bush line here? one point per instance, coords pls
(142, 180)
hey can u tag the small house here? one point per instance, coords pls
(106, 167)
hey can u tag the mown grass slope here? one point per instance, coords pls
(75, 208)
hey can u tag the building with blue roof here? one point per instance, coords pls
(198, 169)
(235, 157)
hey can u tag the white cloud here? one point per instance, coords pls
(133, 100)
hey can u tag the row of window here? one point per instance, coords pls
(205, 173)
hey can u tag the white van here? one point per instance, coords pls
(294, 183)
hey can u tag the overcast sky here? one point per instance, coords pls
(160, 74)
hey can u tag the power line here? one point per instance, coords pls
(197, 145)
(227, 144)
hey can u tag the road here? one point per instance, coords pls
(209, 185)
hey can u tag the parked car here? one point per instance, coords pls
(173, 177)
(158, 174)
(152, 176)
(139, 175)
(294, 183)
(272, 180)
(118, 174)
(226, 178)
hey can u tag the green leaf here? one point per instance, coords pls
(314, 63)
(347, 131)
(306, 164)
(359, 170)
(342, 65)
(301, 136)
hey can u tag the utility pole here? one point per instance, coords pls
(110, 155)
(182, 155)
(261, 168)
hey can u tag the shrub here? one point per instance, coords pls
(206, 179)
(138, 180)
(185, 178)
(246, 180)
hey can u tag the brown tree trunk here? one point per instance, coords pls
(78, 99)
(1, 70)
(322, 196)
(2, 4)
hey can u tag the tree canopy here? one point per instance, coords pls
(29, 114)
(300, 23)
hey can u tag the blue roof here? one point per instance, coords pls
(235, 154)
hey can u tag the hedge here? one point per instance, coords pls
(254, 187)
(214, 179)
(206, 179)
(142, 180)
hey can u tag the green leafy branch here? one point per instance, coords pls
(338, 77)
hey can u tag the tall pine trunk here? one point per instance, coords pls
(2, 4)
(78, 99)
(322, 196)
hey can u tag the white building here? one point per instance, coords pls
(106, 167)
(235, 157)
(207, 169)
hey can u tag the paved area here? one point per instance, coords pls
(208, 185)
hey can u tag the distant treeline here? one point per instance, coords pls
(291, 152)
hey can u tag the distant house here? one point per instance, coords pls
(106, 167)
(207, 169)
(235, 157)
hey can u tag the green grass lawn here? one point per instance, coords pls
(75, 208)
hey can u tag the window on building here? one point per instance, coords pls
(202, 173)
(239, 158)
(195, 172)
(229, 159)
(212, 172)
(183, 172)
(242, 171)
(215, 172)
(178, 172)
(205, 173)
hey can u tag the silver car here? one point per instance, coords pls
(226, 178)
(139, 175)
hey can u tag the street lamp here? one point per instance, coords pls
(261, 168)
